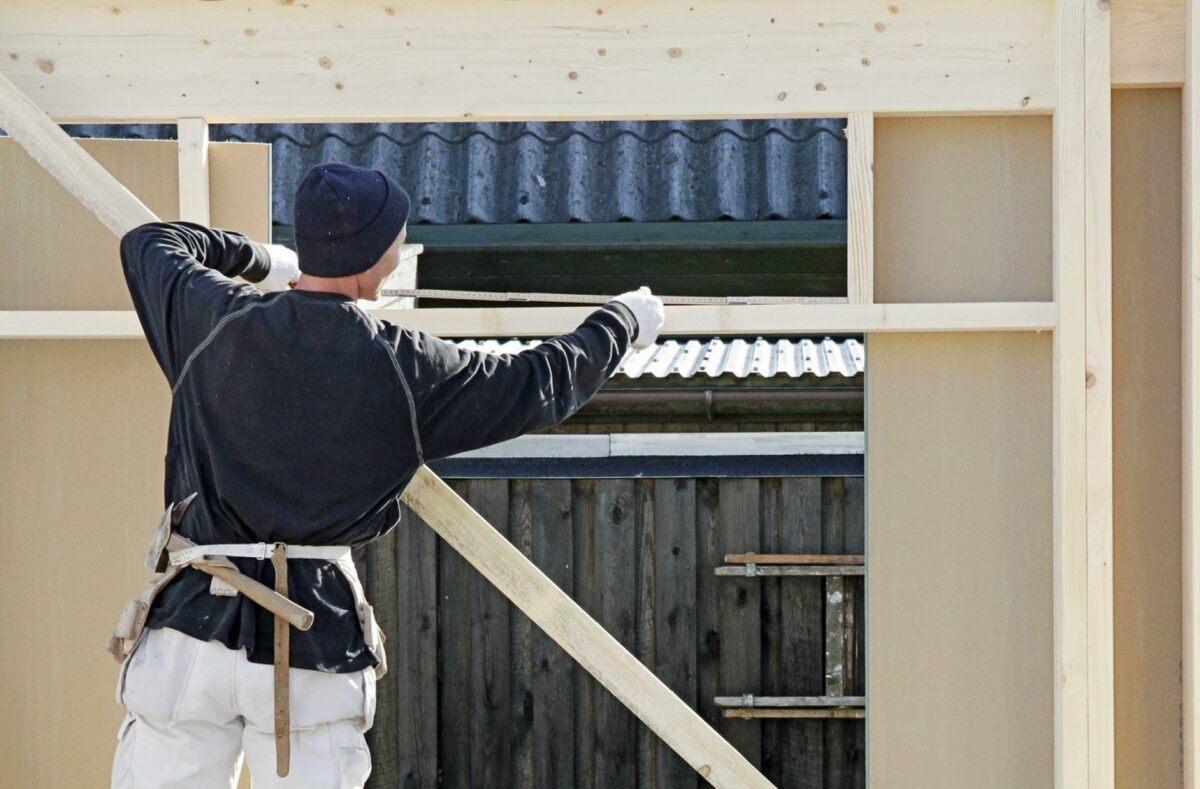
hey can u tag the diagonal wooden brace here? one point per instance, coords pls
(453, 519)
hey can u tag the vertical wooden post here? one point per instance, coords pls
(1191, 398)
(1099, 387)
(193, 170)
(1070, 560)
(860, 208)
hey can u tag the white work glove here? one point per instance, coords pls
(647, 309)
(285, 270)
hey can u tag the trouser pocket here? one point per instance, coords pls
(122, 769)
(157, 674)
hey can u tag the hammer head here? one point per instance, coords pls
(158, 557)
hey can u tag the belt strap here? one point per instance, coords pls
(259, 550)
(283, 715)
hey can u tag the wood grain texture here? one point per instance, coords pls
(675, 607)
(803, 634)
(1148, 39)
(1098, 394)
(192, 144)
(860, 208)
(1072, 691)
(510, 322)
(363, 61)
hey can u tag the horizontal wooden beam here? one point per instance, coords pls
(794, 558)
(540, 322)
(363, 60)
(784, 702)
(674, 445)
(814, 712)
(796, 570)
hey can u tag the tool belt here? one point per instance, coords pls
(170, 553)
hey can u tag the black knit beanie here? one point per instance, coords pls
(346, 218)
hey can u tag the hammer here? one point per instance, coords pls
(167, 540)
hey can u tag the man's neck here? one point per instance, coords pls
(340, 285)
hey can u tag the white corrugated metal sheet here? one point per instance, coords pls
(717, 357)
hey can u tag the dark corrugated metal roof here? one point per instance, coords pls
(596, 171)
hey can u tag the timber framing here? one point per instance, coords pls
(359, 61)
(682, 321)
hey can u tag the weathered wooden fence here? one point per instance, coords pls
(478, 697)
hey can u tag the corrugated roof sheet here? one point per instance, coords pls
(596, 171)
(717, 357)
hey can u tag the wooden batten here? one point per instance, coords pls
(193, 170)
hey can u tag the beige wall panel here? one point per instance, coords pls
(1146, 436)
(239, 177)
(57, 255)
(82, 437)
(959, 536)
(962, 209)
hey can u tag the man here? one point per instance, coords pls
(297, 419)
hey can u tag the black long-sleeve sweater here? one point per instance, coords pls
(299, 418)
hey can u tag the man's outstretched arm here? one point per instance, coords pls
(470, 399)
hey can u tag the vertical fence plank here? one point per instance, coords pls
(521, 640)
(774, 683)
(708, 557)
(491, 736)
(640, 556)
(401, 571)
(647, 743)
(615, 572)
(802, 613)
(739, 612)
(553, 670)
(583, 514)
(833, 524)
(856, 544)
(675, 620)
(456, 612)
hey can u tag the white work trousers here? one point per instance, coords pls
(195, 706)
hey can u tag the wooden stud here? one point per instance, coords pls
(1070, 556)
(49, 146)
(193, 170)
(1098, 391)
(1191, 401)
(860, 208)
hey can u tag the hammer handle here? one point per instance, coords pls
(295, 615)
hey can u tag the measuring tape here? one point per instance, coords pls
(587, 298)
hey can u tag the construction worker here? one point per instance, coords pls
(297, 419)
